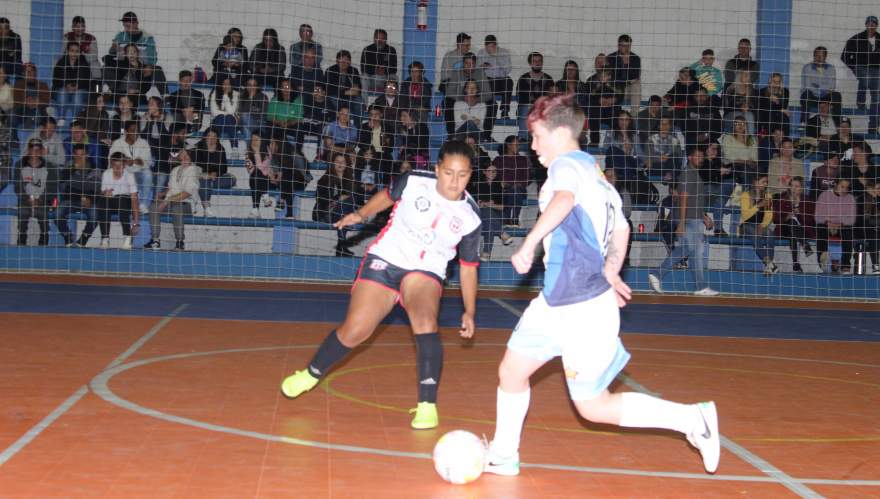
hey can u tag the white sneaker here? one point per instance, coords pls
(707, 291)
(126, 243)
(770, 268)
(209, 212)
(504, 466)
(705, 436)
(255, 213)
(876, 269)
(654, 281)
(105, 242)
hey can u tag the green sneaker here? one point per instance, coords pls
(297, 383)
(426, 416)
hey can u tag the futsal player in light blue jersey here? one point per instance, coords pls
(576, 316)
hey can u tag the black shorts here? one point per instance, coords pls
(387, 275)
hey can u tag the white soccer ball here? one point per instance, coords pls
(459, 457)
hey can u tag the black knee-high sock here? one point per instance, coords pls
(429, 361)
(330, 352)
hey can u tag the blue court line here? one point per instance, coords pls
(306, 306)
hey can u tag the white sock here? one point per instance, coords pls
(511, 409)
(638, 410)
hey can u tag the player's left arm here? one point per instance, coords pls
(614, 258)
(559, 207)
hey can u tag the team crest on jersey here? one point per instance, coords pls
(423, 204)
(455, 225)
(378, 265)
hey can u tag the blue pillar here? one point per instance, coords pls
(774, 38)
(419, 45)
(47, 28)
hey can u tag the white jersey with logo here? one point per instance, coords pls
(425, 229)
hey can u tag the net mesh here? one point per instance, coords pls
(284, 138)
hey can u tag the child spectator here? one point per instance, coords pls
(119, 196)
(79, 186)
(32, 191)
(258, 163)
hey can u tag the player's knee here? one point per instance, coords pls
(352, 336)
(510, 378)
(422, 325)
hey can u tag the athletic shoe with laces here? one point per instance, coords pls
(298, 383)
(707, 291)
(705, 436)
(426, 416)
(654, 281)
(153, 244)
(499, 465)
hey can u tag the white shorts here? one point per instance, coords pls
(584, 334)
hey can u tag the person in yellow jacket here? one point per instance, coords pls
(756, 208)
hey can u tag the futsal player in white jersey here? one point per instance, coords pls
(576, 315)
(433, 216)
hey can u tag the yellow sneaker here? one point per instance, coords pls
(426, 416)
(297, 383)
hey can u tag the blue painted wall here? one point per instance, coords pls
(419, 45)
(47, 28)
(774, 38)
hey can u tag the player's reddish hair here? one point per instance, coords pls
(555, 112)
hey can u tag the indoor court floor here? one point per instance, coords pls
(165, 388)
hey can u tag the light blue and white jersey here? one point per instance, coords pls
(574, 253)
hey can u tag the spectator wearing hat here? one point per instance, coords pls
(862, 55)
(495, 62)
(707, 74)
(454, 59)
(88, 45)
(819, 81)
(10, 48)
(31, 97)
(378, 61)
(306, 40)
(131, 34)
(627, 69)
(32, 190)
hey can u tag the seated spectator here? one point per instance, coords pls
(413, 136)
(702, 124)
(99, 127)
(822, 126)
(783, 168)
(603, 115)
(340, 134)
(860, 170)
(495, 63)
(79, 185)
(756, 207)
(373, 129)
(263, 177)
(623, 131)
(119, 195)
(381, 165)
(628, 164)
(740, 153)
(602, 80)
(681, 96)
(480, 159)
(819, 81)
(627, 69)
(416, 93)
(665, 152)
(292, 171)
(88, 45)
(530, 87)
(707, 75)
(455, 92)
(825, 177)
(487, 191)
(137, 158)
(835, 216)
(366, 188)
(7, 100)
(231, 58)
(224, 108)
(318, 112)
(185, 96)
(740, 99)
(126, 75)
(10, 49)
(71, 81)
(648, 121)
(389, 103)
(768, 148)
(343, 85)
(742, 62)
(79, 136)
(285, 112)
(53, 144)
(298, 49)
(571, 84)
(718, 184)
(268, 60)
(125, 112)
(210, 157)
(154, 124)
(31, 97)
(334, 198)
(470, 112)
(378, 61)
(515, 174)
(773, 106)
(32, 188)
(179, 198)
(793, 216)
(842, 141)
(131, 34)
(193, 121)
(869, 211)
(303, 78)
(453, 59)
(8, 140)
(169, 148)
(252, 107)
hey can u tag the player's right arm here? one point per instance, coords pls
(380, 202)
(559, 207)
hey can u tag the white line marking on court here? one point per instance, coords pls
(100, 386)
(81, 392)
(734, 448)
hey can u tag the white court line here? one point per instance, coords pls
(734, 448)
(81, 392)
